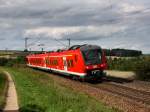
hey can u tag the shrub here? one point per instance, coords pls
(3, 61)
(140, 65)
(12, 62)
(143, 70)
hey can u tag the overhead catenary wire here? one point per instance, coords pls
(39, 41)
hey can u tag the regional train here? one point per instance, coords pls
(85, 62)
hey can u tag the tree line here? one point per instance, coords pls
(122, 52)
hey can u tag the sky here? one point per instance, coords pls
(107, 23)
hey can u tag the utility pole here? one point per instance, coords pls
(26, 44)
(69, 42)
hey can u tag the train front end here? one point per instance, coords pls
(95, 61)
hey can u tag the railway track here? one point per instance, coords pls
(127, 92)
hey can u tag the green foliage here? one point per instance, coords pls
(21, 60)
(3, 87)
(123, 64)
(141, 66)
(37, 92)
(3, 61)
(12, 62)
(143, 70)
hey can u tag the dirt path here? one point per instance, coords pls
(11, 100)
(129, 75)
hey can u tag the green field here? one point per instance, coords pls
(37, 92)
(3, 88)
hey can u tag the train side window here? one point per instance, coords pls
(50, 62)
(54, 62)
(47, 61)
(70, 63)
(76, 58)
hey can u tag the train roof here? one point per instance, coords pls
(83, 47)
(87, 47)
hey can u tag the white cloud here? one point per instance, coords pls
(56, 32)
(81, 20)
(63, 32)
(11, 3)
(129, 8)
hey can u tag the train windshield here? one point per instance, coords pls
(92, 56)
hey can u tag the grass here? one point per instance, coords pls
(40, 93)
(3, 88)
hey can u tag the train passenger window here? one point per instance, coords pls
(55, 62)
(51, 63)
(70, 63)
(76, 58)
(47, 61)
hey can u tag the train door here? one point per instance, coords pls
(65, 63)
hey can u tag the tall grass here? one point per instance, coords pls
(38, 92)
(3, 89)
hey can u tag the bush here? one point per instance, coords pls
(12, 62)
(123, 64)
(140, 65)
(143, 70)
(3, 61)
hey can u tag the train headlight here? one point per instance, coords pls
(102, 65)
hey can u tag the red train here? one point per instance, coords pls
(79, 61)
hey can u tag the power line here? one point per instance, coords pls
(33, 43)
(59, 42)
(39, 39)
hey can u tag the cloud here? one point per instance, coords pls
(108, 23)
(75, 33)
(130, 8)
